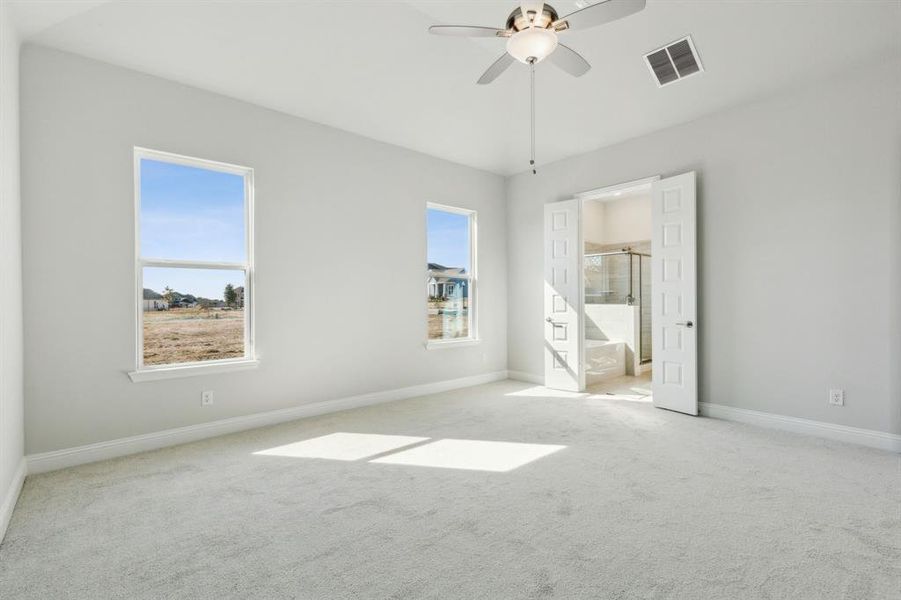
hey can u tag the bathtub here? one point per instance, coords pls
(604, 359)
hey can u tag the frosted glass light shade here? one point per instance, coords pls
(533, 42)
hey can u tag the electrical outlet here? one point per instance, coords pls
(837, 397)
(206, 398)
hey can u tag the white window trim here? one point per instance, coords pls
(471, 276)
(208, 367)
(248, 361)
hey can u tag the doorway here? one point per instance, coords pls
(616, 239)
(620, 291)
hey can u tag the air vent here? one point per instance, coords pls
(674, 62)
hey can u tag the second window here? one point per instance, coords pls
(451, 279)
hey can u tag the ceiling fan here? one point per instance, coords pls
(531, 33)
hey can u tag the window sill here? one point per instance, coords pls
(439, 344)
(191, 370)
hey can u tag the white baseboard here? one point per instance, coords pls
(842, 433)
(526, 377)
(69, 457)
(11, 497)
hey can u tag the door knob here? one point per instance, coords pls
(687, 324)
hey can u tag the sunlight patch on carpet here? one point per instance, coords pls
(474, 455)
(618, 396)
(343, 446)
(539, 391)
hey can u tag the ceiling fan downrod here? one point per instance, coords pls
(532, 75)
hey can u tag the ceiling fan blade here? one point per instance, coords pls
(569, 60)
(598, 14)
(468, 31)
(498, 67)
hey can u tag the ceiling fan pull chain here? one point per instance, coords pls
(532, 159)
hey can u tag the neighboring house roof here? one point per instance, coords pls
(440, 272)
(443, 277)
(151, 295)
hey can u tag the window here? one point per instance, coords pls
(451, 275)
(194, 263)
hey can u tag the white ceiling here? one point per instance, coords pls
(371, 67)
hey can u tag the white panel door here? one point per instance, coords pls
(562, 296)
(674, 295)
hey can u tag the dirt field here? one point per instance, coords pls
(192, 334)
(437, 322)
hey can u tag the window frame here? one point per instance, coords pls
(471, 277)
(144, 372)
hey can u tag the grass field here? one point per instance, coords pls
(192, 334)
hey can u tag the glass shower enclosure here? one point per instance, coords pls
(622, 277)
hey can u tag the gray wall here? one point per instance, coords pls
(799, 220)
(337, 215)
(11, 398)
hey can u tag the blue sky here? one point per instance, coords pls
(448, 235)
(191, 214)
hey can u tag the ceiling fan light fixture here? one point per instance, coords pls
(532, 45)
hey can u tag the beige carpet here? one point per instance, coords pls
(638, 503)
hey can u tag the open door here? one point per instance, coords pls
(674, 302)
(562, 296)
